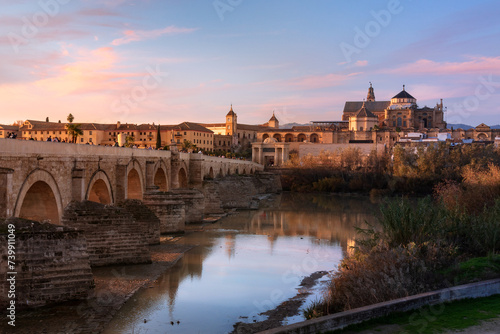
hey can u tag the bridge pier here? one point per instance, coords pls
(194, 204)
(120, 183)
(78, 184)
(5, 186)
(169, 208)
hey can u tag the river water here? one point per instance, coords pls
(245, 264)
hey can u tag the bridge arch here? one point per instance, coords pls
(39, 198)
(161, 176)
(99, 188)
(182, 177)
(135, 180)
(211, 173)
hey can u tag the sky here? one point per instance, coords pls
(169, 61)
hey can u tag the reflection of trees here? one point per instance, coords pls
(326, 218)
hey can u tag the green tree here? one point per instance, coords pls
(187, 145)
(70, 118)
(74, 131)
(129, 141)
(158, 137)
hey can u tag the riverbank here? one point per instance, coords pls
(113, 287)
(288, 308)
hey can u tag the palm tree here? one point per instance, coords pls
(74, 131)
(129, 141)
(187, 145)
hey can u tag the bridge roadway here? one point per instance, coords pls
(39, 179)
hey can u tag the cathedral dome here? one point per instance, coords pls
(270, 140)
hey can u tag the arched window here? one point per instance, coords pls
(399, 121)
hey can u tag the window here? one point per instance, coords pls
(360, 128)
(400, 122)
(90, 133)
(53, 132)
(81, 140)
(184, 133)
(90, 140)
(404, 123)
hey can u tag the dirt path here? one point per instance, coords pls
(113, 287)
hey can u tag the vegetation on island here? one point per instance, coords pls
(449, 237)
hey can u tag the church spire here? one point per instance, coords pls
(371, 94)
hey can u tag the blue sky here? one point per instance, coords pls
(171, 61)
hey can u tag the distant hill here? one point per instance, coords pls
(290, 125)
(459, 126)
(467, 127)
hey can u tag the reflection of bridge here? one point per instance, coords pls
(39, 179)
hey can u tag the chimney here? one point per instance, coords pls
(118, 124)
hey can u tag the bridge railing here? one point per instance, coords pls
(29, 147)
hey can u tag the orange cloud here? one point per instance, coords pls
(139, 35)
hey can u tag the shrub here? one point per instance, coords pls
(384, 273)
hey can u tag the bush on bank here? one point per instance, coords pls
(418, 248)
(412, 170)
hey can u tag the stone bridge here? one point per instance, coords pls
(39, 179)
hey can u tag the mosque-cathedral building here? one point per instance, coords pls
(367, 124)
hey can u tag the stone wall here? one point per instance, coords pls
(169, 208)
(240, 192)
(145, 218)
(113, 236)
(212, 201)
(51, 262)
(194, 202)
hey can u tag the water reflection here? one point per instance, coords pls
(246, 264)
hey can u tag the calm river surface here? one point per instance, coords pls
(245, 264)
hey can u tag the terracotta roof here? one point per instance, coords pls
(231, 112)
(363, 112)
(250, 127)
(194, 127)
(373, 106)
(403, 95)
(9, 127)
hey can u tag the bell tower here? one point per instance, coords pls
(231, 122)
(370, 97)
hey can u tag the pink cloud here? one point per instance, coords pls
(139, 35)
(474, 66)
(361, 63)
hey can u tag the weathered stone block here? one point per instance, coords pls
(194, 202)
(145, 218)
(169, 208)
(51, 264)
(113, 236)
